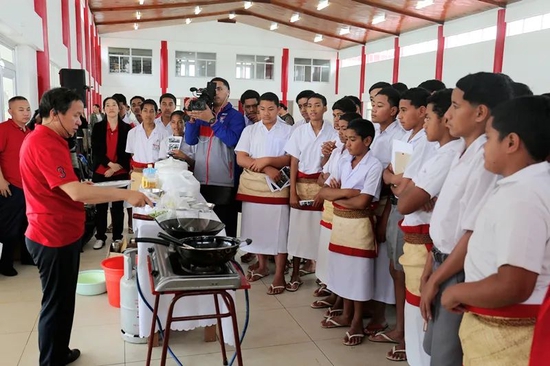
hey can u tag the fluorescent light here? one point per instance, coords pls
(198, 10)
(322, 4)
(379, 18)
(138, 15)
(187, 21)
(274, 26)
(424, 3)
(318, 38)
(141, 2)
(247, 4)
(136, 26)
(232, 15)
(345, 30)
(295, 17)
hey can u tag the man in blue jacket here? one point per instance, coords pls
(216, 133)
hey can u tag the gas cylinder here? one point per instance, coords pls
(129, 302)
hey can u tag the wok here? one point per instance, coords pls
(188, 227)
(201, 251)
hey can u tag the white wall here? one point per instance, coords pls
(378, 71)
(238, 39)
(417, 68)
(350, 77)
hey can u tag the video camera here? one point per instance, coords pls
(203, 97)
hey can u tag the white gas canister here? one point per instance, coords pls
(129, 302)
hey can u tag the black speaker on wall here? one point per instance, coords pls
(74, 79)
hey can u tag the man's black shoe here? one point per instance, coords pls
(73, 355)
(8, 272)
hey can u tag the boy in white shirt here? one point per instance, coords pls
(464, 191)
(423, 187)
(507, 265)
(304, 147)
(265, 214)
(183, 151)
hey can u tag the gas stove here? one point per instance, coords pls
(170, 272)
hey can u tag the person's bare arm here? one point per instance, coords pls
(244, 160)
(334, 194)
(509, 286)
(273, 161)
(412, 199)
(294, 198)
(403, 184)
(81, 192)
(359, 202)
(4, 186)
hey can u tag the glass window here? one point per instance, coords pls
(308, 70)
(195, 64)
(130, 60)
(254, 67)
(6, 54)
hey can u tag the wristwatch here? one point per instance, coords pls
(212, 120)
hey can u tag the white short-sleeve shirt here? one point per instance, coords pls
(423, 151)
(259, 142)
(366, 176)
(145, 149)
(464, 192)
(167, 128)
(333, 164)
(306, 147)
(431, 177)
(513, 228)
(381, 146)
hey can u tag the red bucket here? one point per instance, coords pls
(114, 270)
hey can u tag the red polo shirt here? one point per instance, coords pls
(55, 220)
(11, 139)
(112, 144)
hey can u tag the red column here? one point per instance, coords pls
(99, 67)
(337, 81)
(78, 23)
(66, 29)
(362, 73)
(284, 76)
(500, 41)
(440, 53)
(396, 56)
(43, 57)
(163, 66)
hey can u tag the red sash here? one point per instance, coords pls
(136, 164)
(519, 311)
(540, 352)
(420, 231)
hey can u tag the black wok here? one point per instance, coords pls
(187, 227)
(201, 251)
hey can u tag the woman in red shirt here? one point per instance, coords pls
(111, 163)
(55, 211)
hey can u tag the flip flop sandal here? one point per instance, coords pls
(293, 286)
(375, 329)
(320, 304)
(330, 323)
(360, 336)
(323, 291)
(333, 312)
(247, 258)
(304, 272)
(255, 276)
(393, 352)
(318, 282)
(384, 336)
(272, 290)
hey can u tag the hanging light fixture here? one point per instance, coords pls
(322, 4)
(138, 15)
(136, 26)
(274, 26)
(141, 2)
(198, 10)
(379, 18)
(247, 4)
(187, 21)
(232, 15)
(294, 18)
(318, 38)
(345, 30)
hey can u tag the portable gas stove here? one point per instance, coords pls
(171, 272)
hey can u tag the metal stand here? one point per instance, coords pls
(229, 303)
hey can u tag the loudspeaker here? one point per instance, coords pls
(74, 79)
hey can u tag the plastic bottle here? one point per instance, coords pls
(150, 177)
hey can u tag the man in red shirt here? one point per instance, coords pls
(55, 211)
(12, 201)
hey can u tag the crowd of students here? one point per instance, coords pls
(456, 234)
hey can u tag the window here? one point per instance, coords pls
(195, 64)
(307, 69)
(130, 60)
(255, 67)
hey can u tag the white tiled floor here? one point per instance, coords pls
(283, 329)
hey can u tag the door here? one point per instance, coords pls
(7, 88)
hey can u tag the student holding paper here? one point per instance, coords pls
(265, 212)
(412, 111)
(175, 145)
(304, 147)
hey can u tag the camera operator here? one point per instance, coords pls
(216, 133)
